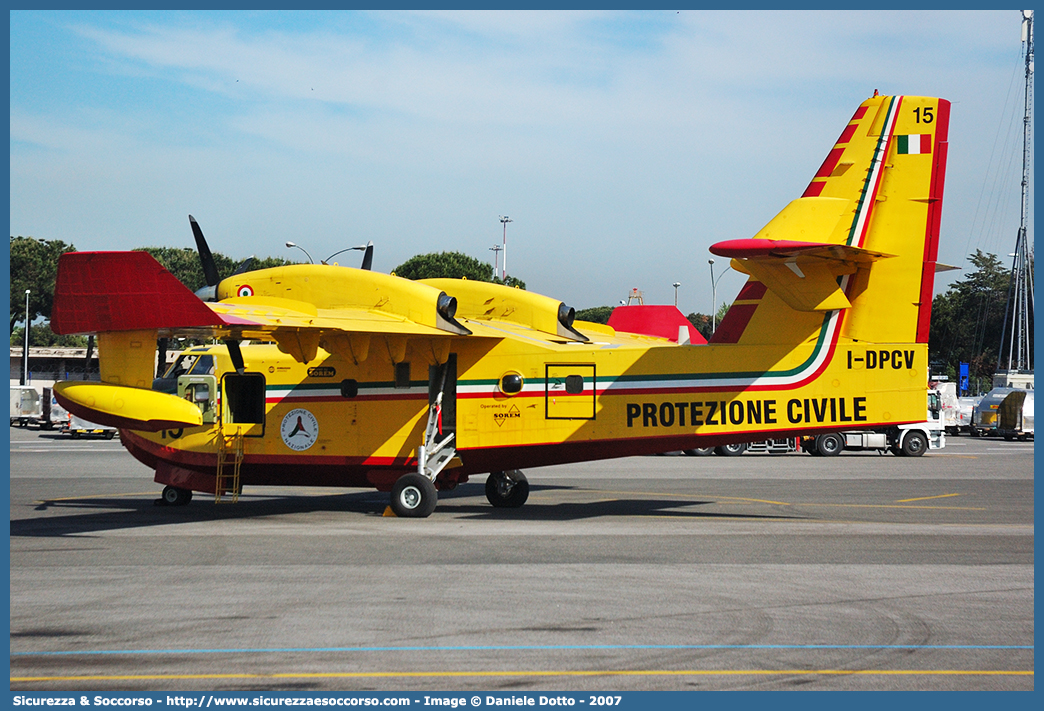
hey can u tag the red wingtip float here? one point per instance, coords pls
(335, 376)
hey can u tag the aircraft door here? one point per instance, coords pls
(243, 402)
(570, 392)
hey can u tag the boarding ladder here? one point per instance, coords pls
(230, 457)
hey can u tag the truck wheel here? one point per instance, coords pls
(914, 444)
(731, 450)
(830, 445)
(698, 452)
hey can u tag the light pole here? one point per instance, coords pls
(714, 295)
(292, 245)
(504, 219)
(676, 285)
(495, 249)
(360, 248)
(25, 342)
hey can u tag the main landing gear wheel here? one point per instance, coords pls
(507, 490)
(413, 496)
(174, 496)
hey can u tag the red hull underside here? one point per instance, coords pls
(196, 471)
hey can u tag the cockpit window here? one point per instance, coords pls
(186, 363)
(204, 365)
(181, 366)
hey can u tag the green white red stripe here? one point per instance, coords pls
(913, 144)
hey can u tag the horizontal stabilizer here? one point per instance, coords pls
(803, 274)
(126, 407)
(761, 248)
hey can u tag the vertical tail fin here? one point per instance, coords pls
(862, 239)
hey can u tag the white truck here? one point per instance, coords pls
(950, 415)
(77, 427)
(772, 446)
(910, 440)
(966, 413)
(26, 405)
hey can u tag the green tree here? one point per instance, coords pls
(34, 266)
(595, 314)
(702, 322)
(184, 264)
(968, 318)
(511, 281)
(41, 335)
(451, 265)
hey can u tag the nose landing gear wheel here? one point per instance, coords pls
(507, 490)
(413, 496)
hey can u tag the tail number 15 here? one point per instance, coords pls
(925, 115)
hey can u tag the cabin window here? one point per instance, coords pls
(511, 383)
(244, 396)
(402, 375)
(349, 388)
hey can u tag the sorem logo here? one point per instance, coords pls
(299, 430)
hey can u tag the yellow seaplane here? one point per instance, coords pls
(333, 376)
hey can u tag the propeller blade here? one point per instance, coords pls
(244, 266)
(210, 272)
(368, 256)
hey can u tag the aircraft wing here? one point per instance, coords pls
(100, 292)
(300, 307)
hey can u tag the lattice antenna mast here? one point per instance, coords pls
(1020, 304)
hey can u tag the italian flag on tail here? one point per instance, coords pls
(914, 143)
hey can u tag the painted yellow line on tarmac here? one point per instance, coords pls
(683, 496)
(757, 501)
(893, 506)
(925, 498)
(567, 673)
(722, 500)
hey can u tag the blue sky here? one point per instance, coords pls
(621, 144)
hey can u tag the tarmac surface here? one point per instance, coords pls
(862, 571)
